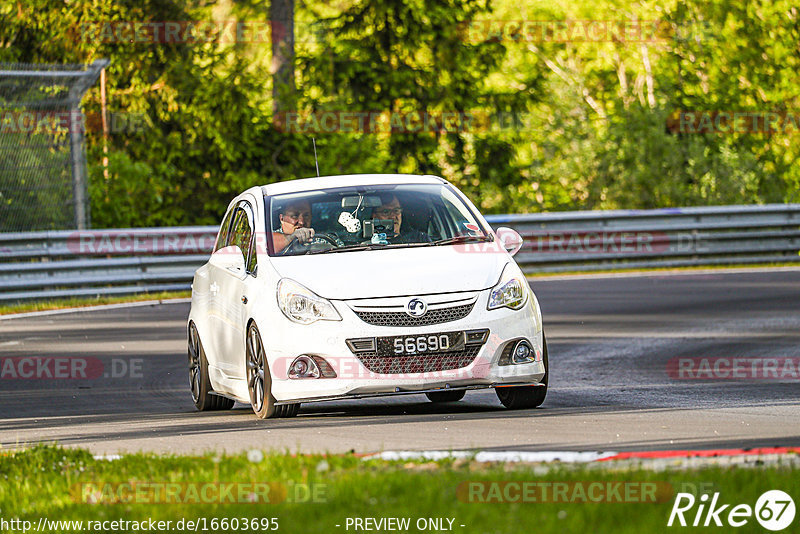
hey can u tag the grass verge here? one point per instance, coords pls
(310, 494)
(81, 302)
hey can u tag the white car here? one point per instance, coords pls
(403, 288)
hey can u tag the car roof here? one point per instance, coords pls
(347, 180)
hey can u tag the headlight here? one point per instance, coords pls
(302, 305)
(509, 292)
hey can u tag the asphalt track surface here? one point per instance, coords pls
(610, 341)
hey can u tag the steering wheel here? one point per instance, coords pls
(330, 238)
(294, 243)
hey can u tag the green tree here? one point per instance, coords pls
(396, 56)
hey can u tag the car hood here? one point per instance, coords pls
(393, 272)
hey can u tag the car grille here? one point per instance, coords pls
(420, 363)
(401, 318)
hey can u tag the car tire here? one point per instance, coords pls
(199, 383)
(259, 381)
(287, 410)
(446, 396)
(522, 397)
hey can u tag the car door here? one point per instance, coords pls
(205, 292)
(228, 289)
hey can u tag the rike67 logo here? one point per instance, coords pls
(774, 510)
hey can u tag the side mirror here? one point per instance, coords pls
(510, 239)
(230, 258)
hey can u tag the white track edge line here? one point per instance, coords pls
(99, 307)
(495, 456)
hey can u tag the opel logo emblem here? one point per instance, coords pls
(416, 308)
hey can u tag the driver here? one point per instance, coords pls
(391, 209)
(295, 219)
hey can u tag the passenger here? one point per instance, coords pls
(392, 210)
(295, 225)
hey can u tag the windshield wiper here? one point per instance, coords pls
(373, 246)
(463, 239)
(348, 248)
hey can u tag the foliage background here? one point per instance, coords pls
(594, 134)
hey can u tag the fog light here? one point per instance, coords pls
(518, 352)
(300, 368)
(304, 367)
(522, 353)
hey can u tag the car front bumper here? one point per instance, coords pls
(327, 339)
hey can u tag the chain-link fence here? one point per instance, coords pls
(43, 184)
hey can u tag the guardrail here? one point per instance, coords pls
(670, 237)
(40, 265)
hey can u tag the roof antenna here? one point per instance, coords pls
(313, 140)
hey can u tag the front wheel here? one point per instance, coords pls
(259, 381)
(199, 384)
(521, 397)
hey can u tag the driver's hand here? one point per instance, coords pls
(302, 235)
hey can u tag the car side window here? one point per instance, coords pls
(456, 216)
(249, 249)
(238, 232)
(242, 235)
(224, 230)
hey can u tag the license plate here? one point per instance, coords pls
(421, 344)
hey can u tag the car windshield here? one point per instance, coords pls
(370, 218)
